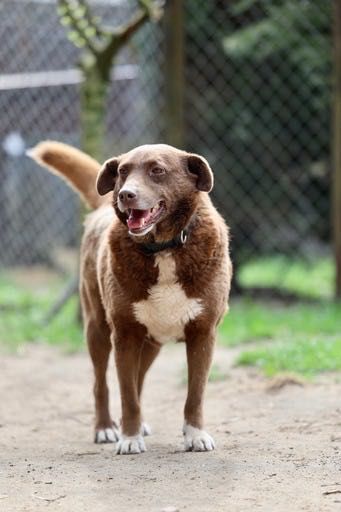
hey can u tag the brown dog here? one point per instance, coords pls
(157, 270)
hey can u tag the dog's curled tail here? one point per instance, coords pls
(76, 167)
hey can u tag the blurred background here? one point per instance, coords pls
(247, 84)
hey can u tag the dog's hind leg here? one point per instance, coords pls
(98, 339)
(149, 351)
(97, 333)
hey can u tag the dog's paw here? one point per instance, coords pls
(130, 444)
(197, 440)
(107, 435)
(145, 430)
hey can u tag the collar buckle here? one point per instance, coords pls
(155, 247)
(183, 236)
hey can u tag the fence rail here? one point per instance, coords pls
(59, 77)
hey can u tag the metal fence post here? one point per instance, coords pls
(336, 142)
(174, 72)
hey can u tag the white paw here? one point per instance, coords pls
(107, 435)
(197, 440)
(146, 430)
(130, 444)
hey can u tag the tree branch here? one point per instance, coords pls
(83, 28)
(103, 44)
(92, 20)
(125, 32)
(121, 35)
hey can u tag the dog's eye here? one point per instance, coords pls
(123, 171)
(157, 171)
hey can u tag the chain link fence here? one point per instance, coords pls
(257, 104)
(255, 101)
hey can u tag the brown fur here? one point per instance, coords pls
(116, 274)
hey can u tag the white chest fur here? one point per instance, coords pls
(167, 309)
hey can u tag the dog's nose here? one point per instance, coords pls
(126, 196)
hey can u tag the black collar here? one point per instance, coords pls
(154, 247)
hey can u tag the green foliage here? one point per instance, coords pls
(282, 28)
(270, 121)
(83, 29)
(298, 32)
(290, 37)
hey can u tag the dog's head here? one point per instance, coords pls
(155, 187)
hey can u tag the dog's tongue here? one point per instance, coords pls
(137, 218)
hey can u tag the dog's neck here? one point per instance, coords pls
(150, 248)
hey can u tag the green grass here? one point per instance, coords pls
(23, 310)
(313, 278)
(303, 338)
(299, 355)
(249, 321)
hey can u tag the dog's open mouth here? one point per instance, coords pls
(141, 222)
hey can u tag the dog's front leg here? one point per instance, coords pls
(127, 354)
(199, 346)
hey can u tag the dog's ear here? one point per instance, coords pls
(200, 168)
(107, 176)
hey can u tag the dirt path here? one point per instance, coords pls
(276, 451)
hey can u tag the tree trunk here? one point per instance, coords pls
(336, 150)
(174, 72)
(93, 113)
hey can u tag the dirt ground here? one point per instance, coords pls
(276, 450)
